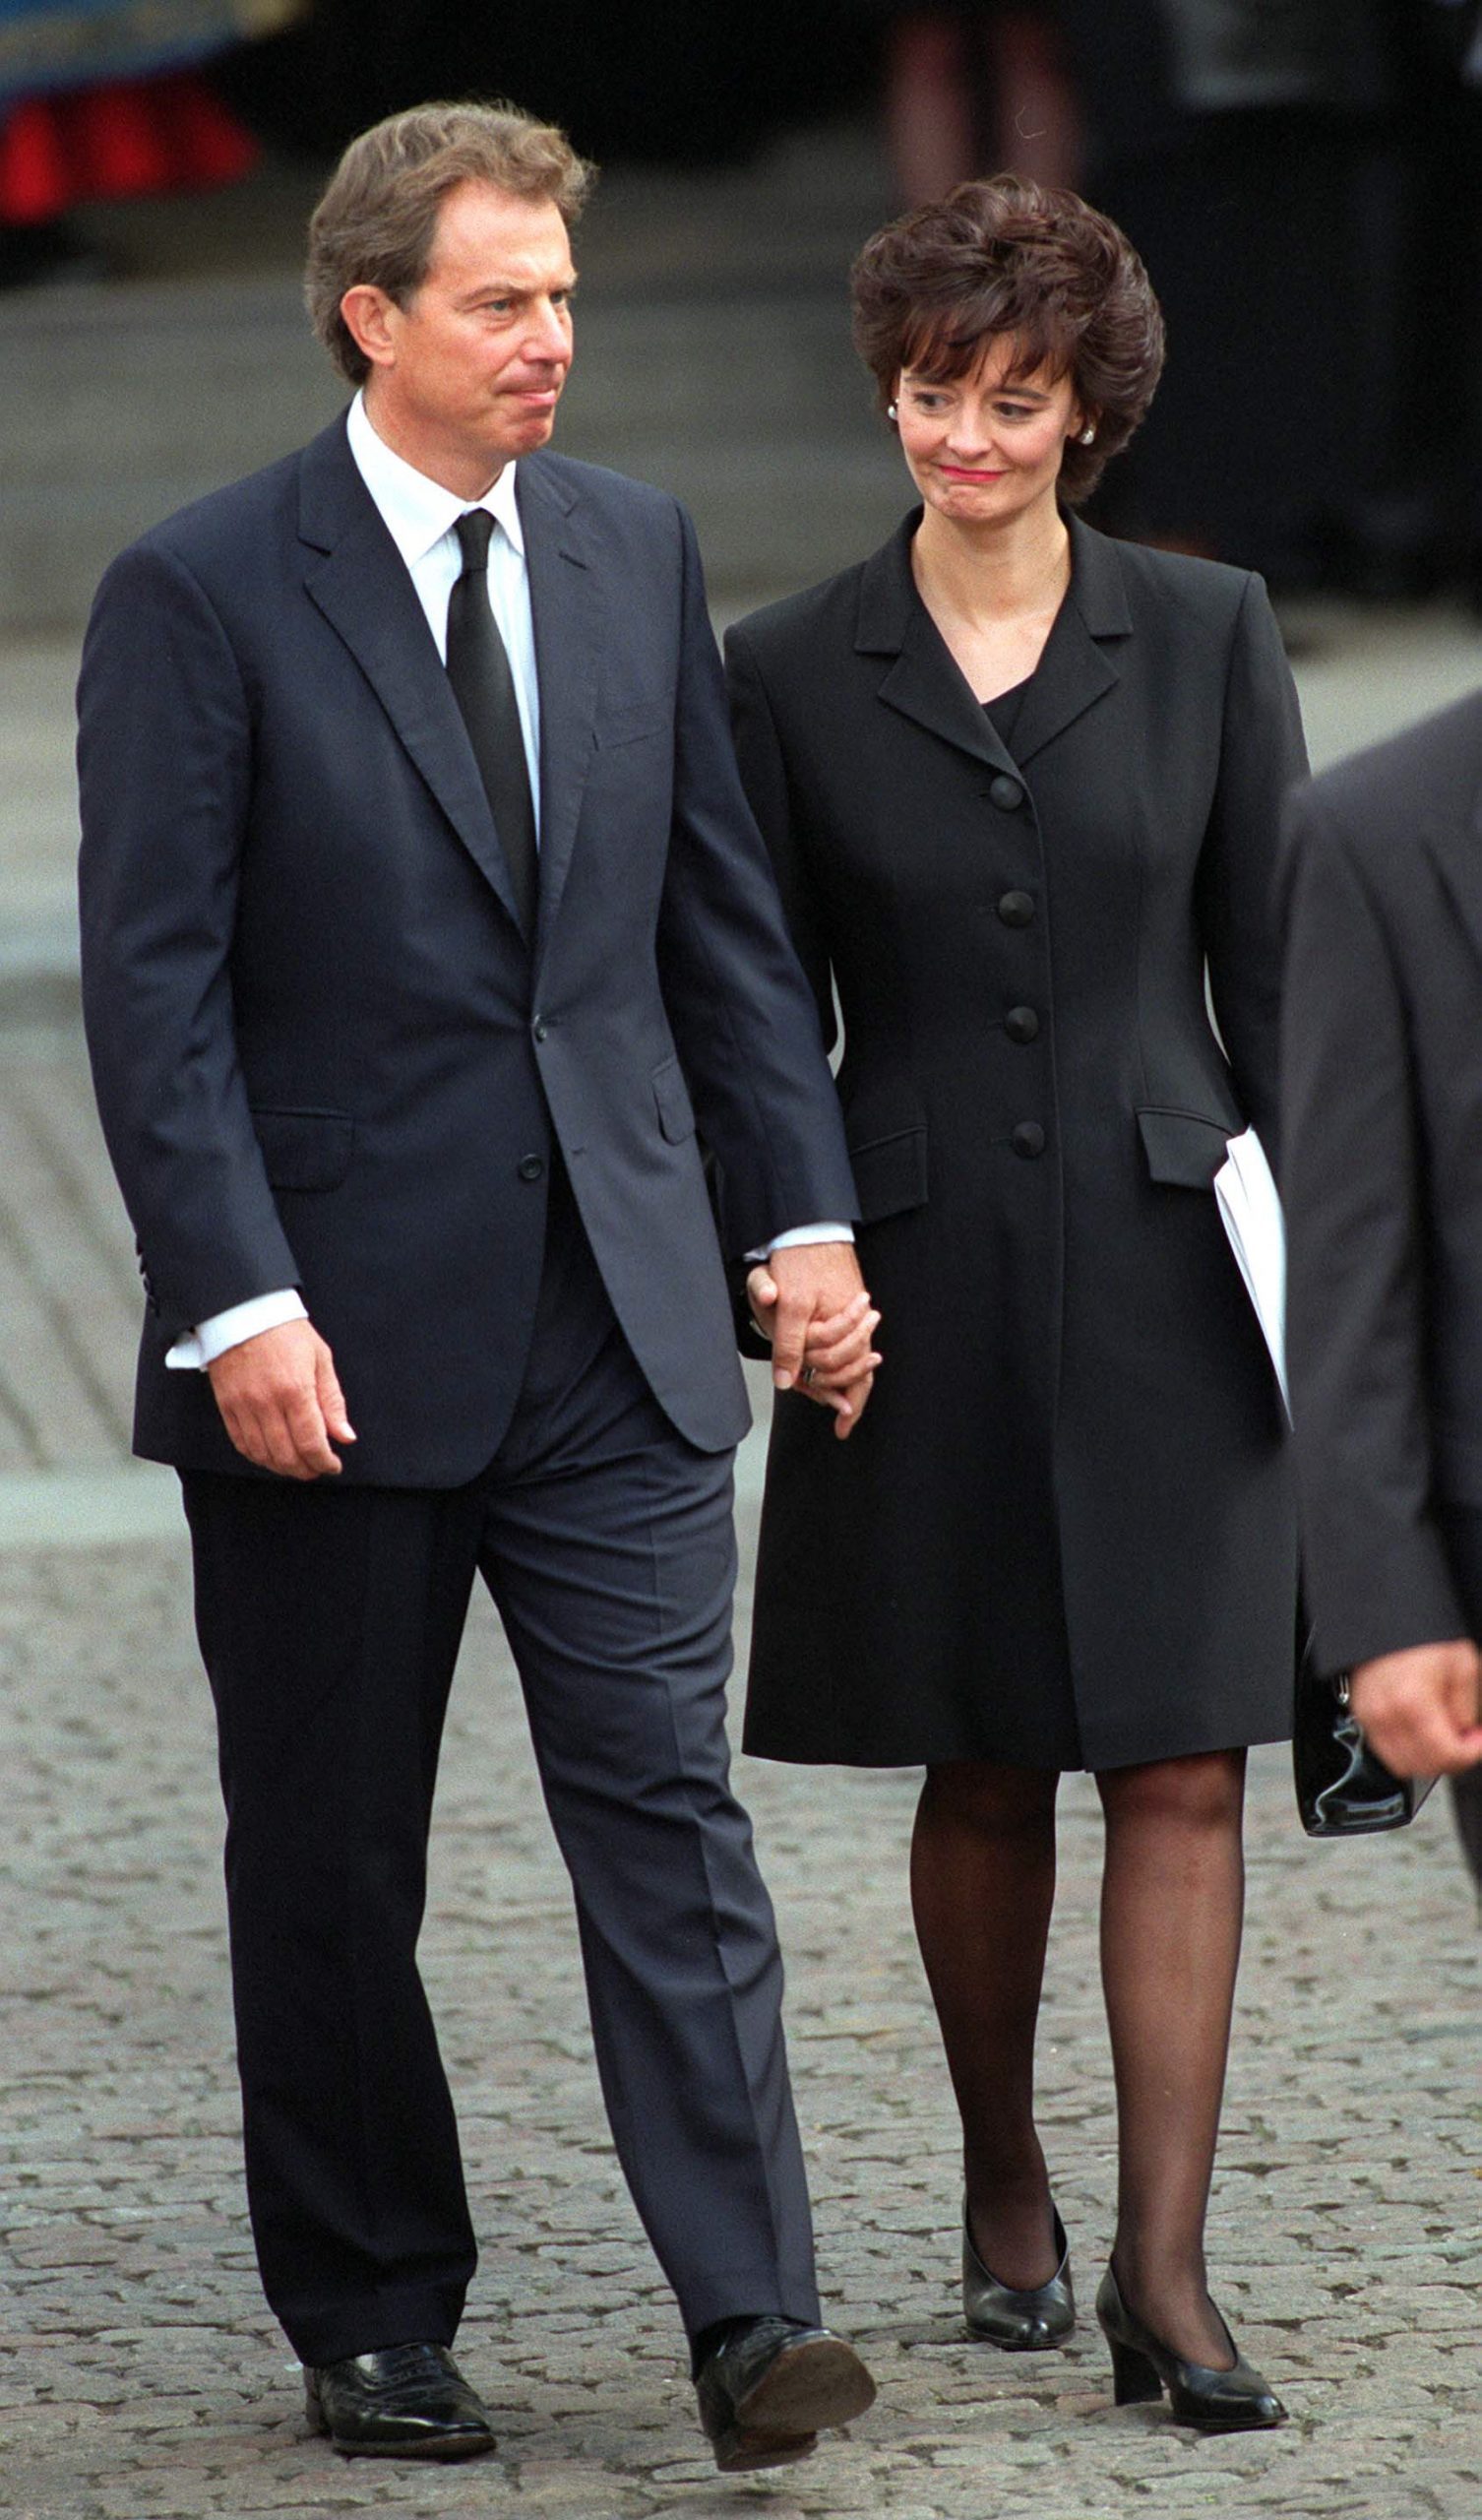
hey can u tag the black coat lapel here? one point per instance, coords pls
(1455, 845)
(1075, 670)
(924, 681)
(362, 584)
(568, 603)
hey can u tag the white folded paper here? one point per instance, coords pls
(1251, 1209)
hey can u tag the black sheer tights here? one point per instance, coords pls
(982, 1888)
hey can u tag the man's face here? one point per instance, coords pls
(467, 374)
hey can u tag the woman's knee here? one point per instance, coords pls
(1206, 1791)
(990, 1796)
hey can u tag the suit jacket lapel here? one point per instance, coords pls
(357, 578)
(567, 602)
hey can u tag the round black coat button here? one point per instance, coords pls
(532, 1168)
(1004, 793)
(1021, 1024)
(1015, 910)
(541, 1028)
(1028, 1139)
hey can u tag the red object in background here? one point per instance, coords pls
(107, 143)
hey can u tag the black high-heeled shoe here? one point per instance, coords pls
(1020, 2322)
(1239, 2400)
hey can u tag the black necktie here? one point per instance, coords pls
(478, 669)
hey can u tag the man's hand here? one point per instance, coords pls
(282, 1403)
(812, 1302)
(1419, 1709)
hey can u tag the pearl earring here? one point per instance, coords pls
(889, 412)
(1088, 435)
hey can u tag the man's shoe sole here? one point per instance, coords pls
(809, 2389)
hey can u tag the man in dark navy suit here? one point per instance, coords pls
(421, 913)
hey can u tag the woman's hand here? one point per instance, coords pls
(839, 1356)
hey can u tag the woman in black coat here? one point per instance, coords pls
(1022, 788)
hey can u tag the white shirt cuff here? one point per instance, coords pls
(797, 1234)
(210, 1339)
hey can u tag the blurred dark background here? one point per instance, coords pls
(1300, 176)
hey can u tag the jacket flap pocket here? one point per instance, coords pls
(676, 1113)
(1183, 1147)
(890, 1174)
(305, 1150)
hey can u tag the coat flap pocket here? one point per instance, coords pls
(1183, 1147)
(305, 1150)
(1459, 1460)
(890, 1174)
(676, 1113)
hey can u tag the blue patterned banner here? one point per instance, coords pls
(71, 43)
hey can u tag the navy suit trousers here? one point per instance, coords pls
(329, 1622)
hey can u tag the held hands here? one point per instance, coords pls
(1419, 1709)
(281, 1401)
(810, 1300)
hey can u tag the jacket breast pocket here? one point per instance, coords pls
(305, 1150)
(1183, 1147)
(890, 1174)
(676, 1113)
(631, 725)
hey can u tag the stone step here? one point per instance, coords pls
(118, 404)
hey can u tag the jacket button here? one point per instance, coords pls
(1028, 1139)
(1004, 793)
(530, 1167)
(1021, 1024)
(1015, 910)
(541, 1028)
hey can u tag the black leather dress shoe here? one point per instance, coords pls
(1017, 2322)
(1239, 2400)
(406, 2402)
(770, 2388)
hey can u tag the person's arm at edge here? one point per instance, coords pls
(1376, 1570)
(1263, 758)
(164, 749)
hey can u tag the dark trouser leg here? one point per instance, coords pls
(982, 1890)
(330, 1623)
(1172, 1903)
(610, 1554)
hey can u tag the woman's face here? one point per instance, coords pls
(987, 447)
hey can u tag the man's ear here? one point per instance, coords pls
(370, 320)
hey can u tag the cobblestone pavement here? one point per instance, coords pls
(140, 2375)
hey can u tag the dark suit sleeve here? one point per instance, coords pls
(1375, 1567)
(1262, 757)
(164, 766)
(763, 776)
(743, 1020)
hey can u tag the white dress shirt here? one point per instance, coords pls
(421, 516)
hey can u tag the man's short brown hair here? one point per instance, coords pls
(379, 214)
(1010, 259)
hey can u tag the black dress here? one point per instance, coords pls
(1062, 1534)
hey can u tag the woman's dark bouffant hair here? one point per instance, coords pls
(1007, 258)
